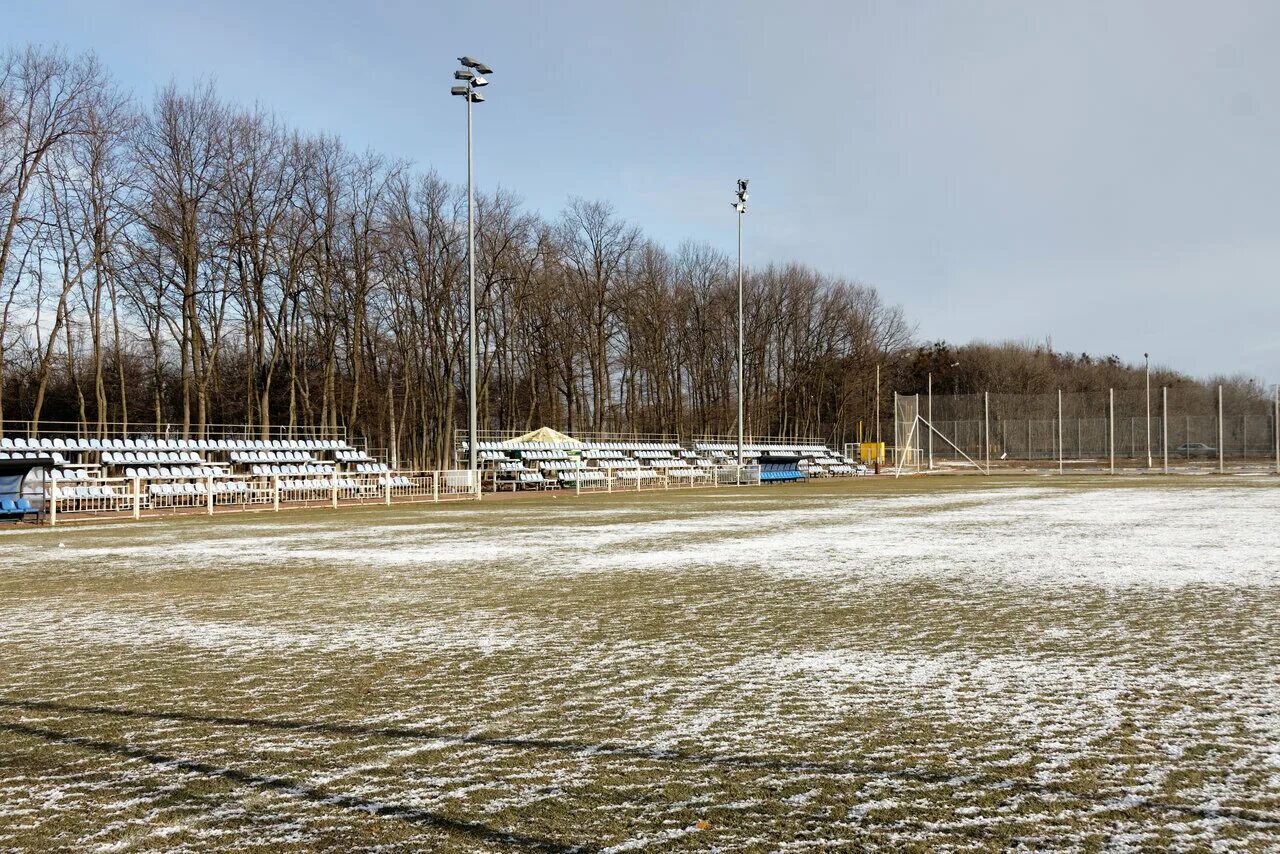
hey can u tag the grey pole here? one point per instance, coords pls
(471, 301)
(1111, 427)
(1275, 424)
(929, 405)
(1146, 357)
(1164, 425)
(472, 76)
(1222, 460)
(741, 457)
(986, 427)
(1059, 431)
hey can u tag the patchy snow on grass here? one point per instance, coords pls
(850, 665)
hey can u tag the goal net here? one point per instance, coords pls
(906, 432)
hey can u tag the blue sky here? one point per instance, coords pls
(1101, 175)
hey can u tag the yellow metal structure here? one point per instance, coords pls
(871, 452)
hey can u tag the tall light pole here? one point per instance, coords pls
(472, 73)
(1146, 358)
(740, 205)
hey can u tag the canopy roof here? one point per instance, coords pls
(543, 436)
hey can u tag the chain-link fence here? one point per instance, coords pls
(1128, 425)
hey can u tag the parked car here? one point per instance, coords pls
(1195, 449)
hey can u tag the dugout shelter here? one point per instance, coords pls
(20, 478)
(780, 468)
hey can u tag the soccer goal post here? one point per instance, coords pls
(909, 430)
(907, 450)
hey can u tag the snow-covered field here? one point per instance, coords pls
(952, 664)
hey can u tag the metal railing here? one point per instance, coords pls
(641, 480)
(136, 497)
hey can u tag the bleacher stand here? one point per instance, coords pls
(99, 474)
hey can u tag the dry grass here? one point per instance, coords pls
(952, 663)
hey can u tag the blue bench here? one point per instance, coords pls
(10, 508)
(780, 468)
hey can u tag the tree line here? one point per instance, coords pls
(181, 263)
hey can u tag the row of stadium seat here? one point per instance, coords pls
(70, 474)
(318, 484)
(175, 472)
(197, 488)
(637, 474)
(268, 471)
(246, 458)
(572, 477)
(58, 459)
(802, 450)
(76, 444)
(372, 468)
(576, 446)
(110, 458)
(83, 492)
(585, 476)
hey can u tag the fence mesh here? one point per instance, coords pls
(1089, 426)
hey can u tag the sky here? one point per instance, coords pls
(1100, 176)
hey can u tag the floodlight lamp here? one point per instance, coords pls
(742, 185)
(479, 81)
(483, 69)
(459, 90)
(463, 74)
(468, 61)
(476, 97)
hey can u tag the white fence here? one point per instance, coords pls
(137, 497)
(640, 480)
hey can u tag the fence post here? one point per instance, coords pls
(435, 486)
(986, 427)
(1059, 431)
(137, 498)
(1111, 427)
(209, 498)
(333, 489)
(275, 492)
(929, 406)
(386, 490)
(1222, 465)
(1164, 425)
(53, 502)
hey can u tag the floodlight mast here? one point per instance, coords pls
(471, 73)
(740, 205)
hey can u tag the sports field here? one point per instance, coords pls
(945, 664)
